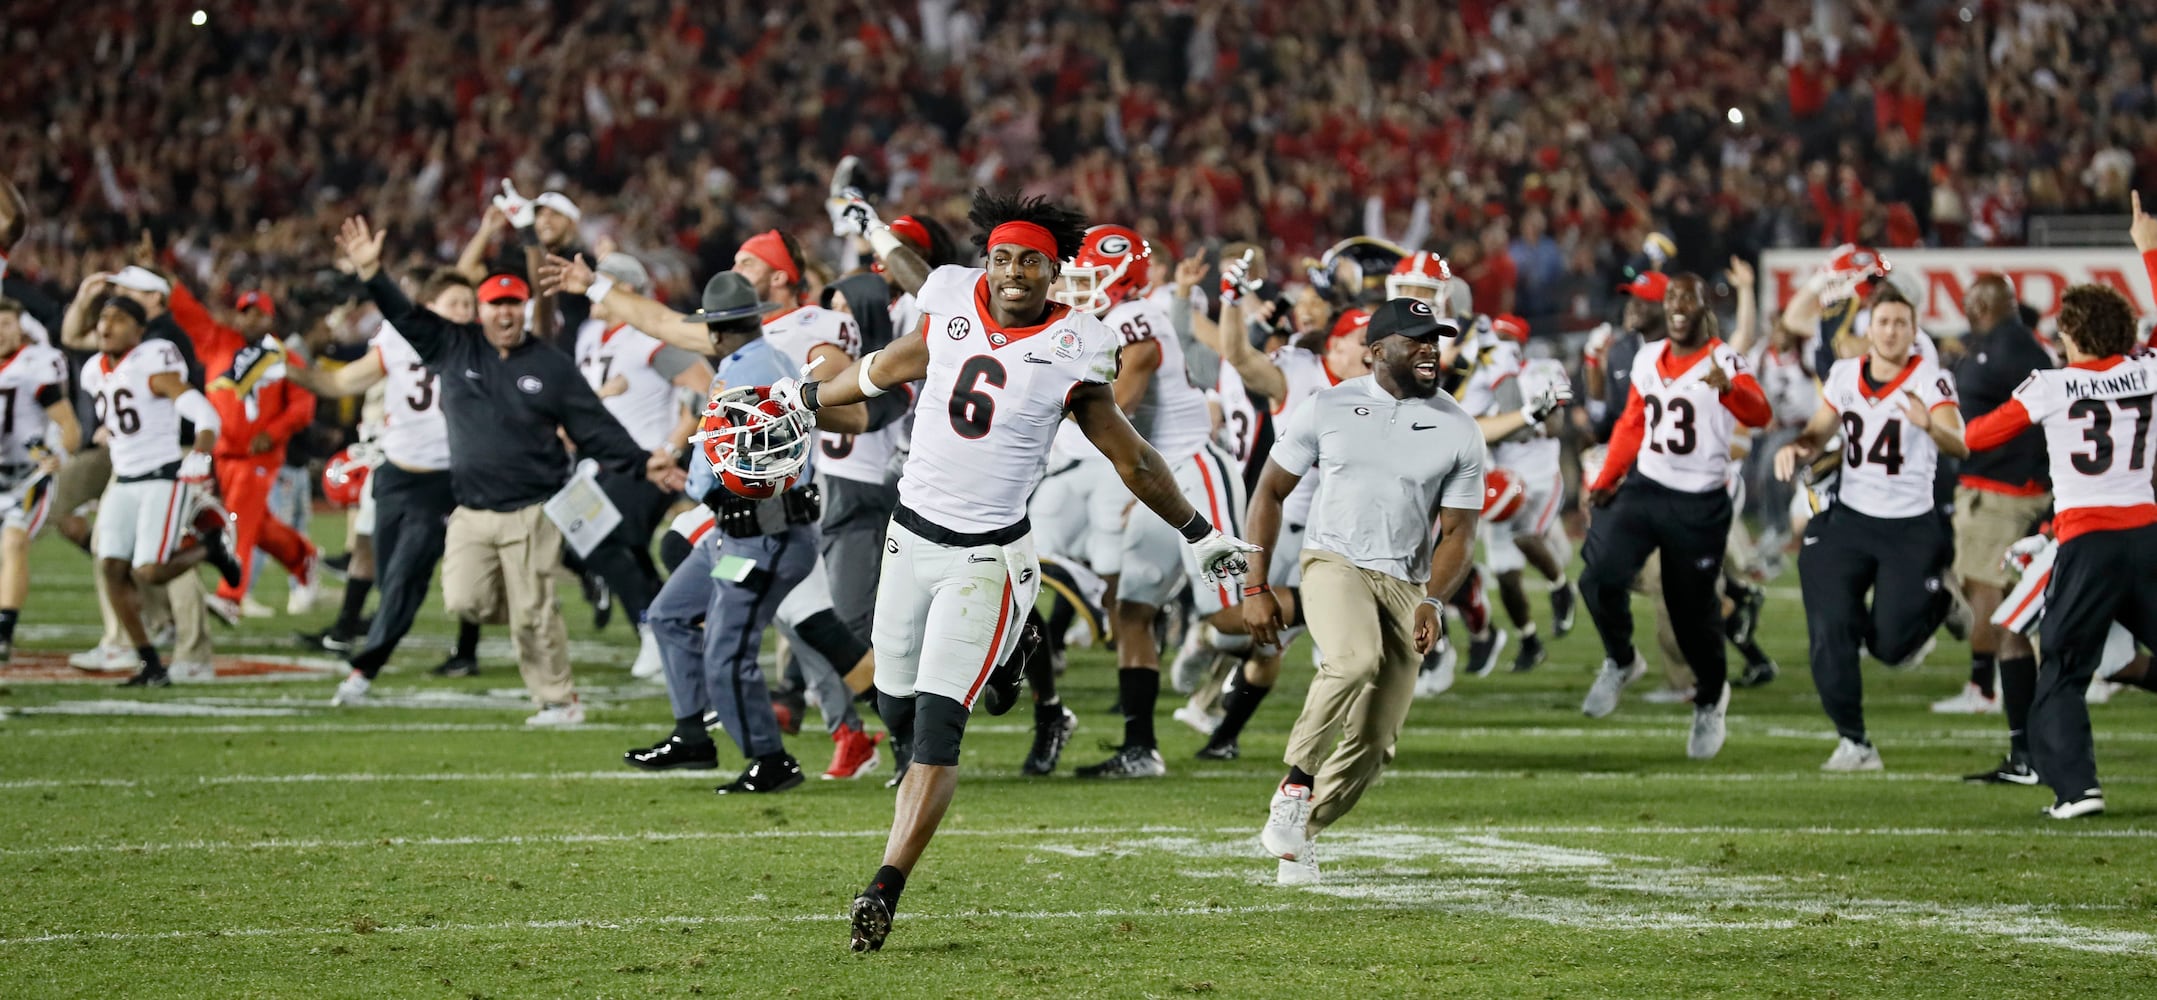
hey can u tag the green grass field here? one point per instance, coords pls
(432, 847)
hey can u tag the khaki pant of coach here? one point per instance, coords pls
(1365, 624)
(496, 559)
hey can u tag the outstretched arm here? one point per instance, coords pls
(879, 379)
(347, 381)
(558, 276)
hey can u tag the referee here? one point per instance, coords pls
(509, 399)
(1372, 581)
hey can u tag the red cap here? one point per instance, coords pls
(504, 288)
(1649, 285)
(1511, 326)
(1351, 321)
(256, 300)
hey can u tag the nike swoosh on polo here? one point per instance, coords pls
(1422, 427)
(1809, 541)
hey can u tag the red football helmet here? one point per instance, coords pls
(757, 446)
(1502, 497)
(1112, 265)
(1420, 275)
(344, 477)
(1850, 272)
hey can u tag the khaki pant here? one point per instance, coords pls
(492, 559)
(1365, 623)
(1986, 523)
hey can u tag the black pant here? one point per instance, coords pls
(1690, 530)
(1901, 560)
(411, 517)
(624, 558)
(2097, 579)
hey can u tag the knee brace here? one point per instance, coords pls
(939, 725)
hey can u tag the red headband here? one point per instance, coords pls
(770, 247)
(1025, 234)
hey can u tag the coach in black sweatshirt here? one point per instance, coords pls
(508, 399)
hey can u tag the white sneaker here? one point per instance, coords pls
(648, 664)
(1668, 696)
(1203, 721)
(1709, 728)
(1194, 660)
(1438, 672)
(306, 588)
(223, 610)
(105, 660)
(1287, 820)
(1972, 700)
(561, 715)
(352, 690)
(251, 608)
(1602, 697)
(2101, 691)
(190, 671)
(2091, 803)
(1851, 755)
(1302, 869)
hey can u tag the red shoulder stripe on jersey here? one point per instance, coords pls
(1998, 427)
(1624, 442)
(996, 642)
(2082, 520)
(2099, 364)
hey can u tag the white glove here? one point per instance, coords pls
(786, 392)
(1220, 556)
(1236, 280)
(196, 468)
(1598, 340)
(851, 214)
(2019, 555)
(518, 208)
(1554, 395)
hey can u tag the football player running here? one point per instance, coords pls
(1003, 366)
(39, 430)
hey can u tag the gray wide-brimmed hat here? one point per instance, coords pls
(728, 297)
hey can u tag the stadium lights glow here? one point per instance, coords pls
(201, 18)
(1736, 117)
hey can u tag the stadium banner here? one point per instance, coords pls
(1936, 279)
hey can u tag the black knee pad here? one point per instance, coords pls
(673, 548)
(830, 637)
(939, 725)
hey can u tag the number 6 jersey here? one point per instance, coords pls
(1887, 462)
(991, 402)
(2098, 439)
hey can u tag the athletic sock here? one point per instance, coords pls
(7, 623)
(1983, 669)
(1049, 712)
(690, 730)
(1299, 776)
(2018, 687)
(467, 640)
(148, 656)
(1242, 699)
(887, 884)
(1138, 688)
(348, 617)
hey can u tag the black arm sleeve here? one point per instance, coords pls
(430, 335)
(595, 432)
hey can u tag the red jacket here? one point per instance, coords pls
(282, 409)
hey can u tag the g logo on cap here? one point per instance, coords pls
(1420, 307)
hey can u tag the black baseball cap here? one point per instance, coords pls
(1410, 318)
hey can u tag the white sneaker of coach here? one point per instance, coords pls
(191, 671)
(1971, 700)
(251, 608)
(559, 716)
(105, 660)
(1288, 819)
(1709, 728)
(1850, 755)
(352, 690)
(1301, 869)
(648, 664)
(1602, 696)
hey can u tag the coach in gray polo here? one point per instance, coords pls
(1395, 454)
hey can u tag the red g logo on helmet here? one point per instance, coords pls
(344, 477)
(1111, 266)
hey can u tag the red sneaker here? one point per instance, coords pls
(854, 754)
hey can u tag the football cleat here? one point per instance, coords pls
(558, 715)
(328, 640)
(1435, 677)
(1219, 751)
(2090, 803)
(1709, 728)
(1531, 654)
(1052, 730)
(1001, 693)
(673, 754)
(1563, 602)
(1128, 762)
(1483, 652)
(764, 777)
(1744, 617)
(1755, 674)
(1203, 721)
(1850, 755)
(870, 918)
(853, 754)
(1288, 819)
(1610, 681)
(2013, 770)
(352, 690)
(148, 677)
(456, 666)
(1971, 700)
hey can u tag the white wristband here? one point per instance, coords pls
(1435, 604)
(869, 389)
(601, 285)
(883, 241)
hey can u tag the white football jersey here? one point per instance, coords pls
(798, 331)
(23, 377)
(143, 427)
(1478, 393)
(1887, 463)
(992, 402)
(1306, 375)
(1685, 441)
(1239, 419)
(415, 435)
(647, 407)
(1173, 414)
(2097, 431)
(1536, 458)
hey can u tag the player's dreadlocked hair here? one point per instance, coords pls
(2098, 319)
(1067, 226)
(943, 247)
